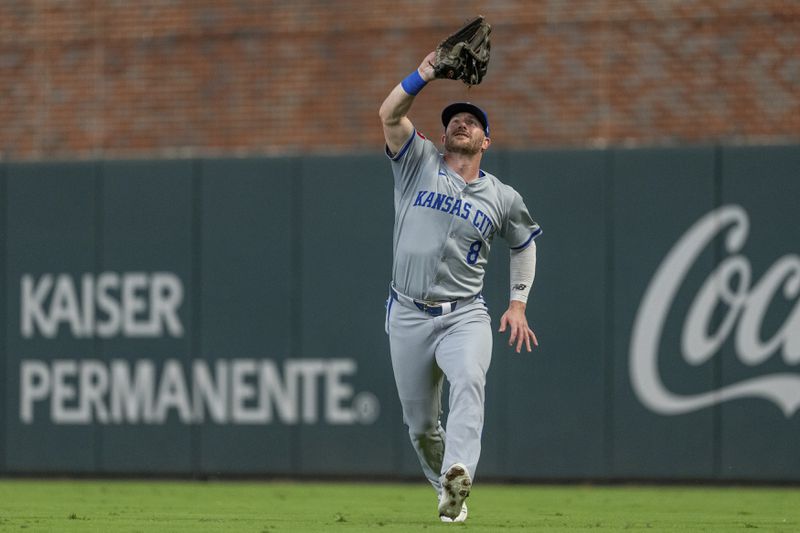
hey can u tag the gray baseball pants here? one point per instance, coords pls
(424, 350)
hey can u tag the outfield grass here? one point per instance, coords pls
(270, 507)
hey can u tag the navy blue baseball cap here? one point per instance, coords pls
(460, 107)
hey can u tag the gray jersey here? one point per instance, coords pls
(443, 227)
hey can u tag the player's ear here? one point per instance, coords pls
(487, 141)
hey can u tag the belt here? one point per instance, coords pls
(431, 308)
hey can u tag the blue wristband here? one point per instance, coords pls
(413, 83)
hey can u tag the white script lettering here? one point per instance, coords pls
(746, 303)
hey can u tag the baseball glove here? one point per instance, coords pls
(464, 55)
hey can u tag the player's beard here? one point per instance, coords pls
(460, 145)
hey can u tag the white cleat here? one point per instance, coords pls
(462, 516)
(455, 489)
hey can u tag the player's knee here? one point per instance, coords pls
(419, 417)
(469, 378)
(467, 392)
(422, 428)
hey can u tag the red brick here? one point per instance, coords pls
(107, 78)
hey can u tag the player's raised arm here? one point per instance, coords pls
(397, 128)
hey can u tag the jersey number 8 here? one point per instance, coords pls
(474, 250)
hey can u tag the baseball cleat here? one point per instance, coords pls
(462, 516)
(455, 489)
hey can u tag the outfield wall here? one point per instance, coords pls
(217, 317)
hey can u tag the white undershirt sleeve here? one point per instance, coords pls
(523, 270)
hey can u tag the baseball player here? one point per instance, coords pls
(447, 212)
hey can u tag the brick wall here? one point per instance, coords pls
(165, 78)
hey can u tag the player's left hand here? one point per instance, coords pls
(514, 318)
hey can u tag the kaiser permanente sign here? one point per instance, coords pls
(116, 391)
(259, 391)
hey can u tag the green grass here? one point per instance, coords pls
(271, 507)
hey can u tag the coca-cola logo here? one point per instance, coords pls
(745, 302)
